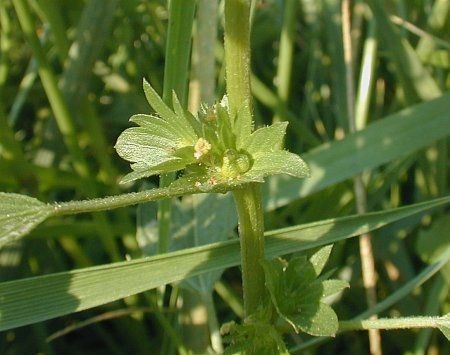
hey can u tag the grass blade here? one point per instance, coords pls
(67, 292)
(335, 162)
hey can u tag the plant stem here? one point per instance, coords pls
(249, 199)
(251, 232)
(393, 323)
(237, 54)
(439, 290)
(123, 200)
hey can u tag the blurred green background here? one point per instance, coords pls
(65, 98)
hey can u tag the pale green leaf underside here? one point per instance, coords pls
(277, 162)
(19, 214)
(67, 292)
(266, 139)
(159, 144)
(182, 126)
(141, 170)
(137, 144)
(156, 125)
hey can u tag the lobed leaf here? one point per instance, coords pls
(297, 293)
(155, 125)
(160, 144)
(179, 123)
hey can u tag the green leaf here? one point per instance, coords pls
(317, 319)
(67, 292)
(140, 144)
(320, 258)
(331, 287)
(432, 242)
(297, 294)
(19, 214)
(161, 144)
(266, 139)
(190, 119)
(275, 163)
(179, 123)
(142, 170)
(156, 125)
(254, 338)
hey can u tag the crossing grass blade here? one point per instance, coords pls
(68, 292)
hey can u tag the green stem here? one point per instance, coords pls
(237, 54)
(251, 232)
(249, 199)
(112, 202)
(439, 290)
(393, 323)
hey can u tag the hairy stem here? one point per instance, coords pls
(251, 232)
(249, 199)
(112, 202)
(237, 54)
(393, 323)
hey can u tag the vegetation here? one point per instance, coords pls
(297, 151)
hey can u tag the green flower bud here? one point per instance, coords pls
(234, 164)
